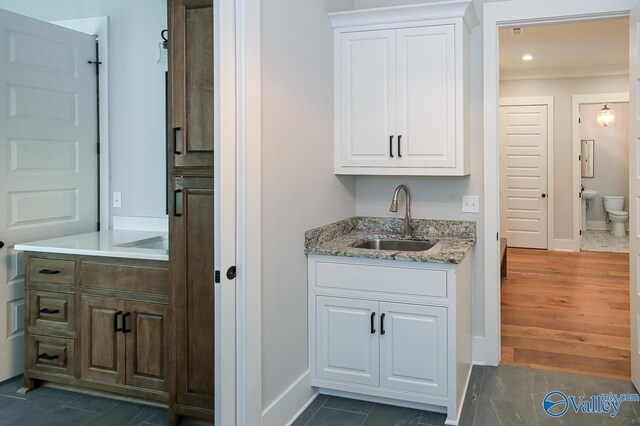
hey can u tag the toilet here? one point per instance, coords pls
(614, 205)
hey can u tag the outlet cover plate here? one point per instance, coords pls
(470, 204)
(117, 199)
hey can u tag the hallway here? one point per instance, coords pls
(567, 311)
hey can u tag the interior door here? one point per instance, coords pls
(634, 190)
(523, 175)
(48, 155)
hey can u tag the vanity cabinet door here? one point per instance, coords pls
(191, 82)
(413, 348)
(347, 340)
(103, 348)
(147, 332)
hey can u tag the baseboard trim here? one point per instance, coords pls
(479, 351)
(598, 225)
(565, 245)
(291, 403)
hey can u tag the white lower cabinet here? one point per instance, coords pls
(401, 335)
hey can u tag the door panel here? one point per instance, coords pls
(103, 349)
(523, 175)
(347, 345)
(426, 94)
(368, 98)
(147, 345)
(48, 172)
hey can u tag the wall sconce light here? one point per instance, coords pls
(606, 117)
(163, 58)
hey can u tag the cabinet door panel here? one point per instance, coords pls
(426, 96)
(103, 350)
(367, 109)
(347, 350)
(413, 350)
(147, 345)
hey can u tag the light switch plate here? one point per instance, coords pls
(117, 199)
(470, 204)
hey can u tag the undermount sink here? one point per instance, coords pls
(155, 243)
(589, 194)
(404, 245)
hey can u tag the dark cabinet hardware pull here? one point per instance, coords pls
(125, 330)
(48, 357)
(544, 195)
(49, 311)
(175, 140)
(373, 329)
(1, 244)
(177, 202)
(399, 141)
(382, 324)
(49, 271)
(115, 322)
(391, 146)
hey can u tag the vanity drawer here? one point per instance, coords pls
(385, 279)
(143, 279)
(52, 310)
(52, 271)
(51, 354)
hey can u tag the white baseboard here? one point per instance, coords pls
(479, 351)
(134, 223)
(598, 225)
(291, 403)
(565, 245)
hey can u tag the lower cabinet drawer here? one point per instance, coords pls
(52, 310)
(51, 354)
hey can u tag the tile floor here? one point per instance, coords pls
(593, 240)
(505, 395)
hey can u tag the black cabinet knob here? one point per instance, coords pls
(544, 195)
(1, 244)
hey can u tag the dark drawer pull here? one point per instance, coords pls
(177, 202)
(382, 324)
(49, 311)
(115, 322)
(125, 330)
(48, 357)
(49, 271)
(176, 149)
(373, 328)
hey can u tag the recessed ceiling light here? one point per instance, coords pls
(527, 57)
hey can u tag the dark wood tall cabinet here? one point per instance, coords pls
(191, 226)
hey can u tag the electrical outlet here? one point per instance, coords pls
(117, 199)
(470, 204)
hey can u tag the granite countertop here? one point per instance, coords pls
(112, 243)
(456, 238)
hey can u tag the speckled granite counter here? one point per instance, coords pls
(456, 238)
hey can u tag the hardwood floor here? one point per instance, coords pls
(567, 311)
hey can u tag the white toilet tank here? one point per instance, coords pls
(613, 203)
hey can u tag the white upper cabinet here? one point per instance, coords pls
(400, 90)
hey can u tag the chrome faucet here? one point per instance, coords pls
(394, 207)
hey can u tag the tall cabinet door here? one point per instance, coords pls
(426, 96)
(103, 343)
(191, 269)
(191, 77)
(413, 348)
(367, 104)
(147, 331)
(347, 340)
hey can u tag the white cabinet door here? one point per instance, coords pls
(413, 348)
(426, 96)
(347, 345)
(367, 103)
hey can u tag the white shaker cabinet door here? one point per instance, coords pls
(347, 340)
(426, 96)
(413, 348)
(367, 99)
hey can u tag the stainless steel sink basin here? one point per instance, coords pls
(403, 245)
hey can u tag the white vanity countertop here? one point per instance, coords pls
(112, 243)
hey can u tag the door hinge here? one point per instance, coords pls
(579, 157)
(581, 232)
(497, 236)
(217, 277)
(98, 148)
(579, 120)
(579, 194)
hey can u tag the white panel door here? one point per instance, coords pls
(347, 340)
(634, 189)
(426, 97)
(523, 175)
(48, 153)
(368, 98)
(413, 348)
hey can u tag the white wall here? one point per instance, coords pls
(611, 156)
(299, 189)
(562, 90)
(136, 93)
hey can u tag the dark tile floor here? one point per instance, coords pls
(504, 395)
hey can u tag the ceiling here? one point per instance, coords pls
(566, 50)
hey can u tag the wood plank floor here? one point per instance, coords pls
(567, 311)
